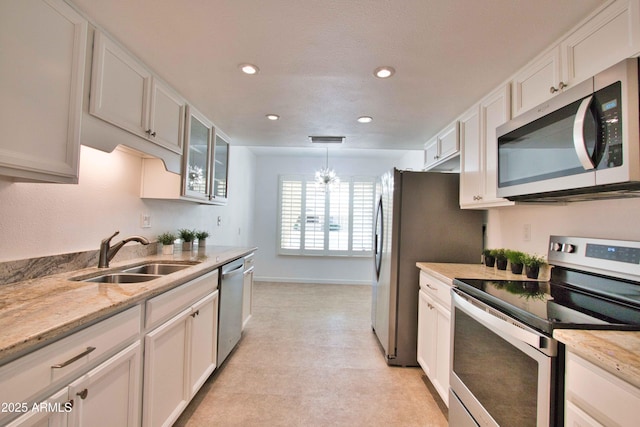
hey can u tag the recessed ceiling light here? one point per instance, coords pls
(384, 72)
(249, 68)
(273, 116)
(365, 119)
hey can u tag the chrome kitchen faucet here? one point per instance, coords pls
(107, 252)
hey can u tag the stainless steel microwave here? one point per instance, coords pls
(582, 144)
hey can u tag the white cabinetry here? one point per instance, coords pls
(41, 81)
(204, 177)
(443, 147)
(180, 353)
(32, 378)
(607, 37)
(434, 325)
(247, 289)
(109, 395)
(479, 148)
(594, 397)
(537, 82)
(124, 93)
(56, 418)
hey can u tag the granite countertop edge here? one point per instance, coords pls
(617, 352)
(40, 311)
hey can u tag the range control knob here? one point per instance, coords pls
(568, 248)
(556, 247)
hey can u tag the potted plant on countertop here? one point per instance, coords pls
(516, 259)
(202, 235)
(167, 240)
(187, 237)
(501, 258)
(489, 259)
(532, 264)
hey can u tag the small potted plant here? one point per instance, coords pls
(202, 240)
(167, 240)
(501, 258)
(532, 264)
(202, 235)
(489, 260)
(187, 237)
(516, 259)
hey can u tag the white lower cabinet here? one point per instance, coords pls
(247, 289)
(180, 354)
(54, 412)
(97, 381)
(434, 329)
(595, 397)
(108, 395)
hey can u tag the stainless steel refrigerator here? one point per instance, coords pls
(418, 219)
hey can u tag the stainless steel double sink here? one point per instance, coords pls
(138, 273)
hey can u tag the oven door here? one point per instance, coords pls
(502, 372)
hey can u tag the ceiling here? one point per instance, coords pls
(316, 60)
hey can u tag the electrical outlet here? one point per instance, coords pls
(526, 232)
(145, 220)
(219, 221)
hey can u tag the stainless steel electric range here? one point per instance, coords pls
(507, 370)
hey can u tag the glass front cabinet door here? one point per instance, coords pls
(220, 169)
(197, 156)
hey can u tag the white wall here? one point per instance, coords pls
(342, 270)
(48, 219)
(614, 219)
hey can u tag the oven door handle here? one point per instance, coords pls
(498, 325)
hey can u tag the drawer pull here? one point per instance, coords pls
(73, 359)
(197, 313)
(431, 287)
(83, 394)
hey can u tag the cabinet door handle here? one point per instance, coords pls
(83, 394)
(73, 359)
(562, 85)
(553, 89)
(196, 313)
(431, 287)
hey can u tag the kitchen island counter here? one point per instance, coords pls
(36, 312)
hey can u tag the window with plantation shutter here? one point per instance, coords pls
(316, 221)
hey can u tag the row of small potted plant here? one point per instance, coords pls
(187, 235)
(516, 259)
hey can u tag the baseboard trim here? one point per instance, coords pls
(310, 281)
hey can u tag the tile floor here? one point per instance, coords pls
(308, 357)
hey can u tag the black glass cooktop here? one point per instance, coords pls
(552, 305)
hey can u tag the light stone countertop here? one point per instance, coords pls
(39, 311)
(617, 352)
(449, 271)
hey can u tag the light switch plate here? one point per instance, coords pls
(145, 220)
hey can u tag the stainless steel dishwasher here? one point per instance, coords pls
(230, 308)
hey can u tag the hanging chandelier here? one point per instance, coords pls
(326, 176)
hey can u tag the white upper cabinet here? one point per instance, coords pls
(126, 94)
(220, 189)
(479, 148)
(610, 35)
(43, 49)
(537, 82)
(442, 148)
(166, 116)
